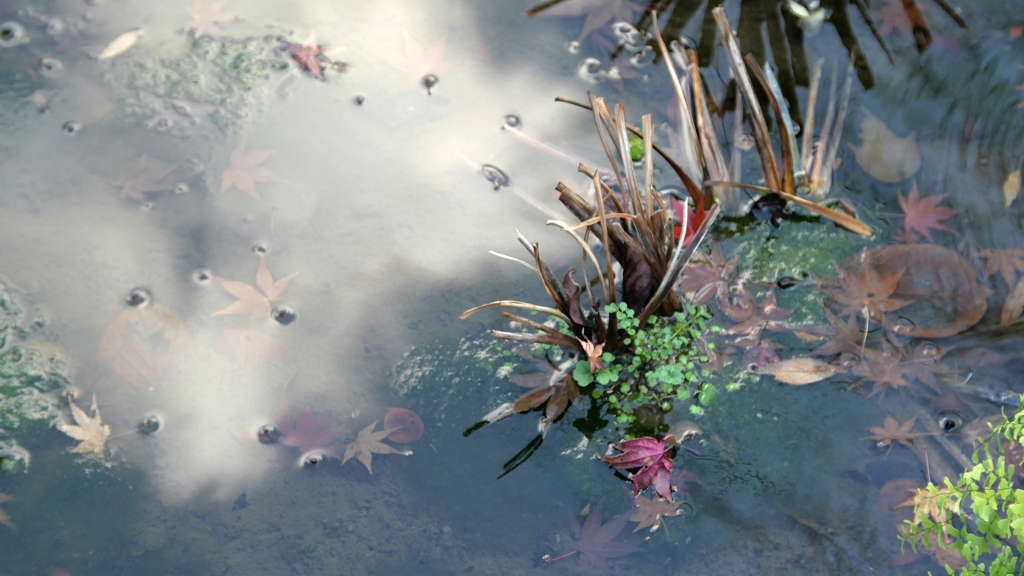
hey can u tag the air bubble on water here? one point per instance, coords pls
(268, 434)
(573, 47)
(202, 276)
(929, 353)
(148, 206)
(12, 34)
(259, 248)
(496, 176)
(311, 459)
(627, 36)
(138, 297)
(182, 188)
(149, 424)
(55, 26)
(903, 326)
(51, 67)
(589, 69)
(359, 100)
(512, 121)
(950, 421)
(71, 127)
(429, 81)
(163, 124)
(284, 315)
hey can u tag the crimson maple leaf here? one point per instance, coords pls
(310, 56)
(309, 432)
(922, 215)
(650, 457)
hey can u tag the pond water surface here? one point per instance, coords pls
(241, 267)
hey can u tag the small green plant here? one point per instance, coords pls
(656, 365)
(982, 515)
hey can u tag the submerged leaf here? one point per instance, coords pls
(207, 19)
(250, 301)
(1011, 188)
(1014, 305)
(144, 344)
(596, 541)
(407, 425)
(4, 519)
(309, 432)
(245, 171)
(883, 154)
(648, 512)
(799, 371)
(121, 44)
(922, 215)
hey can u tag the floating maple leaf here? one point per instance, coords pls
(250, 301)
(207, 19)
(369, 443)
(4, 519)
(649, 457)
(922, 215)
(840, 336)
(1009, 263)
(91, 430)
(142, 179)
(595, 541)
(310, 56)
(885, 370)
(892, 432)
(245, 171)
(649, 512)
(309, 432)
(753, 316)
(419, 62)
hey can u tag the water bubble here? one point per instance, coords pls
(627, 36)
(359, 100)
(202, 276)
(182, 188)
(12, 34)
(71, 127)
(950, 421)
(573, 47)
(512, 121)
(848, 361)
(429, 81)
(589, 69)
(902, 326)
(70, 394)
(268, 434)
(495, 176)
(51, 67)
(164, 124)
(929, 353)
(259, 248)
(643, 57)
(312, 459)
(148, 206)
(55, 26)
(149, 424)
(284, 315)
(138, 297)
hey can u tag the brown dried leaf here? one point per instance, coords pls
(649, 512)
(3, 515)
(245, 171)
(91, 430)
(369, 443)
(883, 154)
(250, 301)
(799, 371)
(143, 345)
(1011, 188)
(1014, 305)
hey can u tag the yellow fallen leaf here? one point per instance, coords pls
(1014, 305)
(799, 371)
(1011, 188)
(883, 154)
(92, 432)
(121, 44)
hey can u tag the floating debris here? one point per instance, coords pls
(495, 176)
(430, 80)
(121, 44)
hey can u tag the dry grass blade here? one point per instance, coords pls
(680, 258)
(848, 222)
(535, 339)
(689, 135)
(783, 124)
(514, 259)
(821, 178)
(761, 136)
(587, 250)
(713, 158)
(565, 341)
(812, 102)
(819, 154)
(695, 191)
(543, 6)
(648, 129)
(514, 304)
(603, 219)
(602, 120)
(863, 9)
(595, 220)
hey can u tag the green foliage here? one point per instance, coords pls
(982, 515)
(636, 147)
(657, 365)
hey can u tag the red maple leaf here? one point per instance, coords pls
(650, 457)
(922, 215)
(309, 432)
(694, 220)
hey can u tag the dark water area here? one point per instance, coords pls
(238, 237)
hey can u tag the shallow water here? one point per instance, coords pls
(375, 199)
